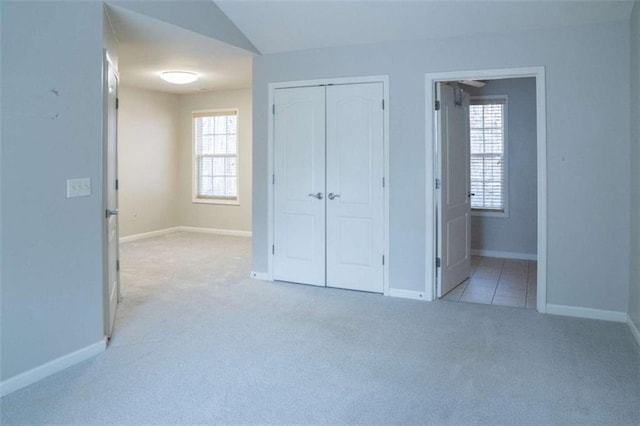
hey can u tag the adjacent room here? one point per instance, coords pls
(498, 185)
(184, 153)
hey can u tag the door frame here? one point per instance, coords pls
(107, 63)
(384, 79)
(431, 158)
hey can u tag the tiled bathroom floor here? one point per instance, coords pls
(496, 281)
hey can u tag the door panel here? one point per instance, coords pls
(113, 252)
(454, 208)
(299, 164)
(355, 170)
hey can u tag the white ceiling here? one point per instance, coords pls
(286, 25)
(147, 46)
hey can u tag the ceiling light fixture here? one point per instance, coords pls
(179, 77)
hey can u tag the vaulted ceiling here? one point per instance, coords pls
(148, 45)
(279, 26)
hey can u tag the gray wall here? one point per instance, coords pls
(51, 130)
(634, 290)
(516, 233)
(147, 160)
(587, 136)
(217, 216)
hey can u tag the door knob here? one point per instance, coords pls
(110, 213)
(331, 196)
(318, 195)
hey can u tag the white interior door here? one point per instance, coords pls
(454, 210)
(299, 185)
(111, 214)
(355, 171)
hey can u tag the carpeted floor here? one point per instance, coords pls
(196, 342)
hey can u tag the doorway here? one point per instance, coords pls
(458, 201)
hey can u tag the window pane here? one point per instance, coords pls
(231, 168)
(216, 147)
(486, 133)
(231, 187)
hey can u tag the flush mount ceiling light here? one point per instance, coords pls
(179, 77)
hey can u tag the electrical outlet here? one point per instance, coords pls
(78, 187)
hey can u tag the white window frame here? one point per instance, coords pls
(194, 160)
(505, 163)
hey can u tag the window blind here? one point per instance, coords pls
(486, 126)
(216, 155)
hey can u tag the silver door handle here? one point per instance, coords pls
(331, 196)
(110, 213)
(318, 195)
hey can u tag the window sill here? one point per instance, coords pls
(215, 201)
(490, 213)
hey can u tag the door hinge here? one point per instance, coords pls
(437, 262)
(273, 249)
(383, 260)
(118, 265)
(383, 104)
(273, 109)
(438, 184)
(273, 179)
(117, 183)
(117, 103)
(383, 182)
(437, 105)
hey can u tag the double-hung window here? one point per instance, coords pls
(215, 156)
(487, 127)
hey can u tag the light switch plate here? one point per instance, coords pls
(78, 187)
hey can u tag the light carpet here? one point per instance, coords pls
(196, 342)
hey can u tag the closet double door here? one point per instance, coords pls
(329, 186)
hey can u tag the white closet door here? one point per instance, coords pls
(455, 208)
(355, 171)
(299, 164)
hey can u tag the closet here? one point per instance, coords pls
(329, 186)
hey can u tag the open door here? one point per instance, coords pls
(112, 288)
(454, 207)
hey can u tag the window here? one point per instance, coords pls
(215, 157)
(488, 154)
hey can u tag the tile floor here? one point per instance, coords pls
(496, 281)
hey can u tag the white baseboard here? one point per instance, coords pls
(29, 377)
(148, 234)
(159, 232)
(504, 254)
(634, 329)
(230, 232)
(591, 313)
(264, 276)
(407, 294)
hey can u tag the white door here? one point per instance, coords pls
(111, 214)
(454, 207)
(355, 172)
(299, 185)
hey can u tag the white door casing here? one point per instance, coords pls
(454, 211)
(299, 187)
(355, 192)
(112, 289)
